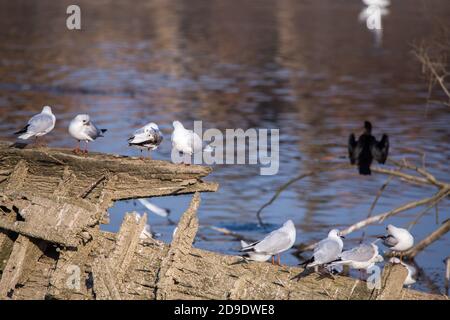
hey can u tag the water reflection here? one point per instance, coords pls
(306, 67)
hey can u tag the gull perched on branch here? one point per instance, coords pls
(273, 244)
(327, 250)
(83, 129)
(148, 137)
(39, 125)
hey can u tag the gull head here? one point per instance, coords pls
(335, 233)
(289, 224)
(151, 126)
(177, 124)
(391, 227)
(83, 118)
(47, 109)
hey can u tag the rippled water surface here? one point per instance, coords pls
(309, 68)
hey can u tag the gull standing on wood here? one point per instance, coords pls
(261, 257)
(397, 239)
(274, 243)
(362, 257)
(412, 272)
(327, 250)
(39, 125)
(83, 129)
(148, 137)
(187, 141)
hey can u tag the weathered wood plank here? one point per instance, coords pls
(22, 260)
(392, 282)
(52, 169)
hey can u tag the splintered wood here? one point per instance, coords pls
(52, 203)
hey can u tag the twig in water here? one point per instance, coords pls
(295, 179)
(428, 208)
(380, 191)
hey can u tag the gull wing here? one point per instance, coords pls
(326, 251)
(360, 253)
(39, 123)
(274, 242)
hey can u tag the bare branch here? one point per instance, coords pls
(439, 232)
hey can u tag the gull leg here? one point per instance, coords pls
(273, 260)
(149, 154)
(86, 147)
(44, 144)
(279, 260)
(141, 157)
(77, 149)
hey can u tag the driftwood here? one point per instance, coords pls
(51, 247)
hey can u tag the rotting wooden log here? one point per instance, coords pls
(109, 273)
(178, 271)
(48, 169)
(180, 247)
(102, 265)
(24, 254)
(392, 280)
(6, 245)
(53, 219)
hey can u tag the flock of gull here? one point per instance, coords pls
(328, 253)
(82, 128)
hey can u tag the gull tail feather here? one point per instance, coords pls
(26, 135)
(23, 130)
(304, 263)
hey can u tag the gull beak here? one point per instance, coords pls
(342, 237)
